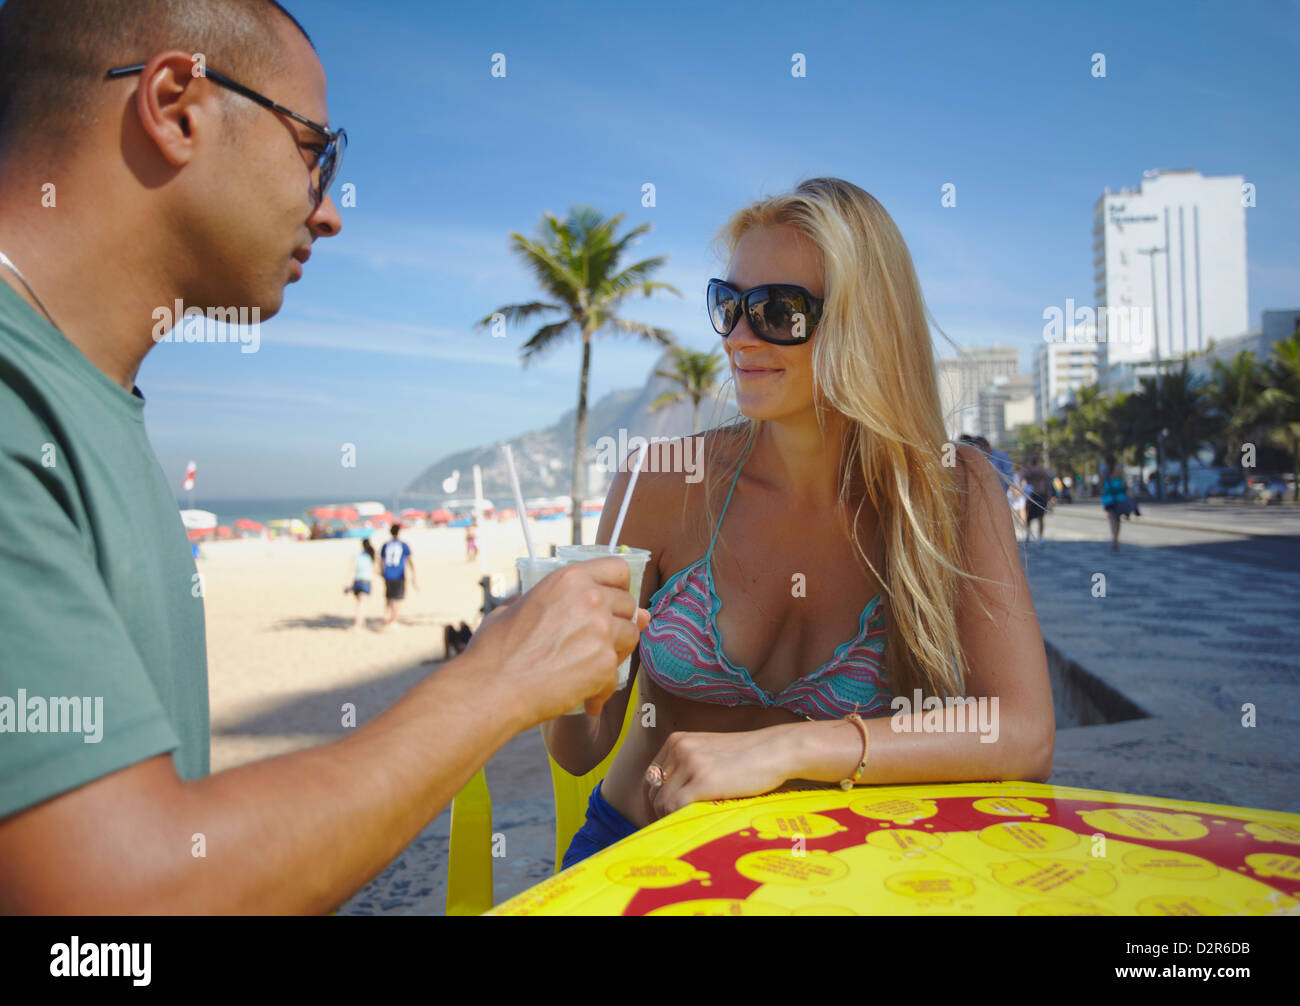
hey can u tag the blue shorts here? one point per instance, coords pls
(604, 827)
(360, 587)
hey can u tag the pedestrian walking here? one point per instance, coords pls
(471, 541)
(1039, 481)
(396, 558)
(363, 568)
(1115, 499)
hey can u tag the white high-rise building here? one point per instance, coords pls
(1061, 367)
(962, 378)
(1200, 275)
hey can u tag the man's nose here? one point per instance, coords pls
(325, 222)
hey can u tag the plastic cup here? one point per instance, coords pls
(531, 573)
(636, 558)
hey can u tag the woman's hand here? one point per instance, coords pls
(714, 766)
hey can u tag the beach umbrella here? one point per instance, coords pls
(244, 524)
(323, 512)
(410, 514)
(440, 516)
(346, 513)
(198, 520)
(224, 532)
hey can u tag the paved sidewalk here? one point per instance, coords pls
(1219, 516)
(1201, 615)
(1190, 639)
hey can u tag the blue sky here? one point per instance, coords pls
(375, 346)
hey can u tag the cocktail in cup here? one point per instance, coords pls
(531, 573)
(636, 558)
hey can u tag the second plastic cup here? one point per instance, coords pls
(635, 558)
(531, 573)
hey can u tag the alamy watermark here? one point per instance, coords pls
(685, 454)
(75, 959)
(1086, 324)
(962, 714)
(56, 715)
(217, 324)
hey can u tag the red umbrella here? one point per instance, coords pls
(224, 532)
(244, 524)
(440, 516)
(413, 514)
(346, 513)
(323, 512)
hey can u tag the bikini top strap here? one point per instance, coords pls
(709, 554)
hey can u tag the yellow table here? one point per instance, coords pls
(1009, 848)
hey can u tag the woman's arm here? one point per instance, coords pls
(1008, 672)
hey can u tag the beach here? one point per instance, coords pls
(283, 659)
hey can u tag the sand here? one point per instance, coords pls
(283, 658)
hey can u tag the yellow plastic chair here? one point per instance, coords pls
(469, 856)
(469, 853)
(573, 791)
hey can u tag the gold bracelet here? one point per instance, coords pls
(847, 784)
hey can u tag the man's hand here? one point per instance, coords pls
(560, 644)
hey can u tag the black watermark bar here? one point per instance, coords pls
(336, 954)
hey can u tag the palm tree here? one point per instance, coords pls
(1187, 417)
(696, 374)
(576, 263)
(1091, 427)
(1280, 401)
(1137, 423)
(1234, 399)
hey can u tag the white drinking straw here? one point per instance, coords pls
(627, 496)
(519, 499)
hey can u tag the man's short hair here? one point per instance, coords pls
(394, 529)
(54, 53)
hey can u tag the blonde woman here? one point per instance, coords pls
(838, 552)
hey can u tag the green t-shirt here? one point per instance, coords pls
(102, 652)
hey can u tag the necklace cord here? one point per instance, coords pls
(7, 262)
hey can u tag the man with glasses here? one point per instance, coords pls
(154, 151)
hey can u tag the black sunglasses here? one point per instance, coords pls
(779, 313)
(336, 140)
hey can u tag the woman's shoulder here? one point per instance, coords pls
(682, 467)
(670, 491)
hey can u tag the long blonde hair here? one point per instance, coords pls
(873, 363)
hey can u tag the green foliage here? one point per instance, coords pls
(577, 264)
(1242, 402)
(696, 375)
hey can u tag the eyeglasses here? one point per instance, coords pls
(779, 313)
(336, 140)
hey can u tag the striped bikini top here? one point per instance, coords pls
(682, 653)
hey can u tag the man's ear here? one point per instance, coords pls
(175, 104)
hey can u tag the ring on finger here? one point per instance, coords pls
(654, 775)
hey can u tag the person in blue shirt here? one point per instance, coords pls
(395, 557)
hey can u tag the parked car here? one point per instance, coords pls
(1275, 488)
(1230, 482)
